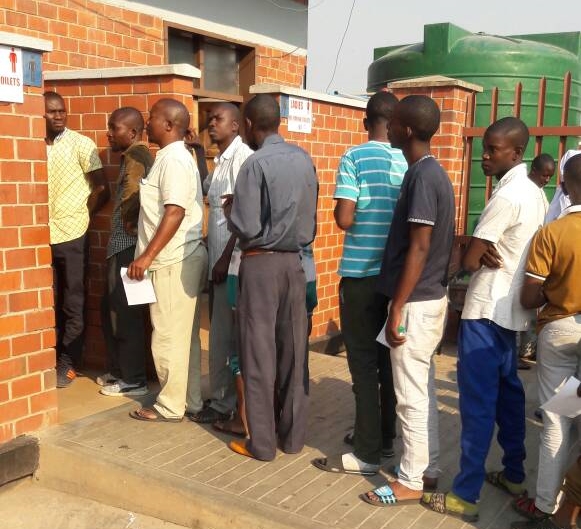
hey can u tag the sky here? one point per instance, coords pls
(377, 23)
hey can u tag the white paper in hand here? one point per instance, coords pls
(138, 292)
(565, 401)
(381, 336)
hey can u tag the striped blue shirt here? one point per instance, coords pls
(369, 175)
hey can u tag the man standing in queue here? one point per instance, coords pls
(273, 214)
(169, 250)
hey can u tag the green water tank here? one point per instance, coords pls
(492, 61)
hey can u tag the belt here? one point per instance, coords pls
(256, 251)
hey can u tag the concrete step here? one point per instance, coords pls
(75, 469)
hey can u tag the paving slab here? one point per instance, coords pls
(184, 473)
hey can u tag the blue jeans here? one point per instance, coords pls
(490, 391)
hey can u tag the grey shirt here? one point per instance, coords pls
(275, 198)
(426, 197)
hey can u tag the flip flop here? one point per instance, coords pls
(140, 416)
(436, 502)
(386, 498)
(497, 479)
(335, 464)
(228, 427)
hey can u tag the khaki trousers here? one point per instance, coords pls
(175, 341)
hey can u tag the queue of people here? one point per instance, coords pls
(395, 203)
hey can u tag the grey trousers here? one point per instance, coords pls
(273, 352)
(222, 347)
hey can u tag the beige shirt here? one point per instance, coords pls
(173, 179)
(514, 213)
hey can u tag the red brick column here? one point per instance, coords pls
(27, 357)
(90, 99)
(453, 97)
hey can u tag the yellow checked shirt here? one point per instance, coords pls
(70, 158)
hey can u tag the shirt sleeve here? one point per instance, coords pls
(178, 182)
(497, 216)
(541, 253)
(347, 186)
(246, 209)
(423, 205)
(89, 156)
(238, 161)
(134, 172)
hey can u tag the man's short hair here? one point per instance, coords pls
(541, 161)
(380, 106)
(131, 115)
(49, 94)
(264, 113)
(176, 112)
(421, 114)
(513, 128)
(573, 171)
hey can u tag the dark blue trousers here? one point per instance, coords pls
(490, 391)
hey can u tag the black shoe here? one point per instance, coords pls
(209, 415)
(65, 376)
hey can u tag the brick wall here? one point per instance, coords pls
(90, 102)
(94, 35)
(274, 66)
(27, 357)
(87, 34)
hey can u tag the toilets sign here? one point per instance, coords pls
(300, 114)
(11, 81)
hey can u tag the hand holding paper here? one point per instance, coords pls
(137, 292)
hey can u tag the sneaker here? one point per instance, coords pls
(122, 389)
(65, 376)
(105, 379)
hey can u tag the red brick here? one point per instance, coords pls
(43, 401)
(41, 361)
(27, 343)
(22, 301)
(26, 386)
(32, 424)
(17, 259)
(13, 409)
(5, 348)
(39, 319)
(12, 368)
(33, 235)
(4, 392)
(16, 215)
(39, 278)
(48, 338)
(43, 256)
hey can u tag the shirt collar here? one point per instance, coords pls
(60, 136)
(173, 146)
(571, 209)
(273, 138)
(518, 171)
(230, 150)
(135, 146)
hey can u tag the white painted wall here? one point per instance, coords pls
(254, 21)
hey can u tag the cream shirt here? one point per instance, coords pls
(221, 182)
(173, 179)
(514, 213)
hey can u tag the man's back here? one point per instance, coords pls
(276, 192)
(369, 175)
